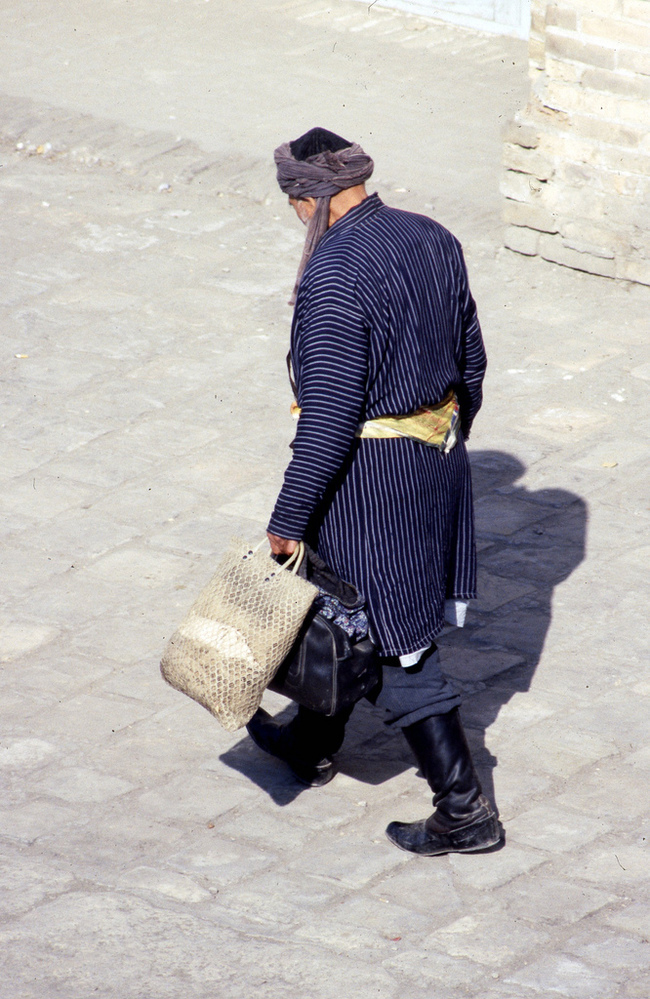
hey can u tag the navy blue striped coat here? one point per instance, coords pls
(385, 323)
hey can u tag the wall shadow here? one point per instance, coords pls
(529, 542)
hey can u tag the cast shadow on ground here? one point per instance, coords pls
(529, 542)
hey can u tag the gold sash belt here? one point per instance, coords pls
(436, 425)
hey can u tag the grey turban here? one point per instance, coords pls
(320, 176)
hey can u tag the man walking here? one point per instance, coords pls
(388, 361)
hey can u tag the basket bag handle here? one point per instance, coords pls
(294, 560)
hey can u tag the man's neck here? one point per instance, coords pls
(342, 202)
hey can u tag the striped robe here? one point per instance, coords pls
(385, 323)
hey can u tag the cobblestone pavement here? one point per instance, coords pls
(146, 852)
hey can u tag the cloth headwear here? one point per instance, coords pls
(319, 165)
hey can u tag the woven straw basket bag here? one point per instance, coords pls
(237, 633)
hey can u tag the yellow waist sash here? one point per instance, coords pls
(436, 425)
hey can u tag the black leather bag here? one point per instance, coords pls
(325, 670)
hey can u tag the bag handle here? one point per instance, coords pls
(294, 561)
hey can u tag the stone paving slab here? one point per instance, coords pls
(147, 852)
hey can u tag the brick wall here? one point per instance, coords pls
(577, 159)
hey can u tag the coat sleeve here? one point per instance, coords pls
(473, 360)
(330, 360)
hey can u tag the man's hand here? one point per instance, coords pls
(281, 546)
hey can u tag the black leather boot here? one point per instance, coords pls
(307, 743)
(464, 819)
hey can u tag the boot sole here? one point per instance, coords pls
(487, 848)
(492, 838)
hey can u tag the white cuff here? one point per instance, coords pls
(455, 612)
(412, 658)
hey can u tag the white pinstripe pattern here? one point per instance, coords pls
(385, 323)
